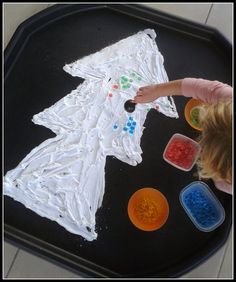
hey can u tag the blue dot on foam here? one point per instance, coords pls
(128, 124)
(125, 128)
(132, 128)
(130, 118)
(115, 126)
(134, 123)
(131, 132)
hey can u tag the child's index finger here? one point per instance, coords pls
(139, 93)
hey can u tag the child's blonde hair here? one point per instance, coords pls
(216, 141)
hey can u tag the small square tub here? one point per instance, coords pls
(181, 152)
(202, 206)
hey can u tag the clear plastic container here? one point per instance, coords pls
(181, 152)
(202, 206)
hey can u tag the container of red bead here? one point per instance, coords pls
(181, 152)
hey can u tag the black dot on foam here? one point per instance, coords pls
(129, 106)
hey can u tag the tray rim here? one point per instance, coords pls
(57, 256)
(24, 30)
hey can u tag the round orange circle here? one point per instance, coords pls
(187, 110)
(148, 209)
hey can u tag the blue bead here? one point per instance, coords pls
(201, 208)
(132, 128)
(134, 123)
(130, 118)
(131, 132)
(125, 128)
(128, 124)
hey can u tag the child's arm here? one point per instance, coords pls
(150, 93)
(205, 90)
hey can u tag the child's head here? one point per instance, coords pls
(216, 142)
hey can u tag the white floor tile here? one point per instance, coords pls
(226, 270)
(210, 268)
(221, 17)
(193, 11)
(27, 265)
(14, 14)
(9, 252)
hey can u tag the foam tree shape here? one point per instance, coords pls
(63, 178)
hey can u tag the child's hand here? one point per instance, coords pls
(147, 94)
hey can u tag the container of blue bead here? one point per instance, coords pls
(202, 206)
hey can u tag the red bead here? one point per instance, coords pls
(181, 153)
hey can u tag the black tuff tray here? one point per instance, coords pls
(34, 80)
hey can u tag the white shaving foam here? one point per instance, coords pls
(63, 178)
